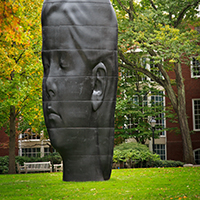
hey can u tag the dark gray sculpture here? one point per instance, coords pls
(79, 56)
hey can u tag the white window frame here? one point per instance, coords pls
(48, 152)
(195, 151)
(192, 71)
(30, 137)
(164, 124)
(31, 152)
(193, 114)
(156, 150)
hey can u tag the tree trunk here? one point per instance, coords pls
(182, 117)
(185, 133)
(12, 169)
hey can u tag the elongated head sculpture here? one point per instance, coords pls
(79, 56)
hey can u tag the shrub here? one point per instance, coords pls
(21, 160)
(4, 162)
(168, 163)
(55, 158)
(131, 145)
(138, 155)
(134, 155)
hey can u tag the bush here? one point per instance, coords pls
(134, 155)
(138, 155)
(131, 145)
(55, 158)
(168, 163)
(4, 162)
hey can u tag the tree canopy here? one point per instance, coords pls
(165, 32)
(21, 68)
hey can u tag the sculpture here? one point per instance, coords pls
(79, 55)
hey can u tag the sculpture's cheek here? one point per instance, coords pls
(67, 114)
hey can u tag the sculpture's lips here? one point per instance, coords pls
(54, 116)
(52, 113)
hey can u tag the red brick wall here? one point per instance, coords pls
(174, 141)
(4, 143)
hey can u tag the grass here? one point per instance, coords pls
(144, 183)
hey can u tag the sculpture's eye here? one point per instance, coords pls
(63, 64)
(46, 62)
(46, 69)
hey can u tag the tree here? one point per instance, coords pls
(161, 29)
(21, 68)
(136, 106)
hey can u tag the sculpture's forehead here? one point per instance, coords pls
(78, 13)
(79, 25)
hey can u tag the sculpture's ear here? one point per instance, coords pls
(99, 85)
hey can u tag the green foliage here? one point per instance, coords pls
(134, 107)
(136, 155)
(131, 145)
(163, 31)
(4, 164)
(21, 69)
(21, 65)
(55, 158)
(167, 163)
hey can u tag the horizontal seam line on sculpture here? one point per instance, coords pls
(83, 128)
(75, 76)
(115, 50)
(76, 2)
(82, 101)
(66, 25)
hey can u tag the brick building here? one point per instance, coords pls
(4, 143)
(192, 92)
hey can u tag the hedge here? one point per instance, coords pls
(135, 155)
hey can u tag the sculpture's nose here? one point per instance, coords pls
(51, 87)
(51, 84)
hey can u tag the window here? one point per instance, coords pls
(133, 74)
(197, 156)
(158, 99)
(160, 150)
(30, 136)
(31, 152)
(196, 114)
(143, 101)
(154, 69)
(47, 151)
(195, 68)
(131, 121)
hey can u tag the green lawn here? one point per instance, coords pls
(150, 183)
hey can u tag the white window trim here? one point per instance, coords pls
(195, 151)
(149, 100)
(165, 150)
(191, 69)
(27, 140)
(193, 118)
